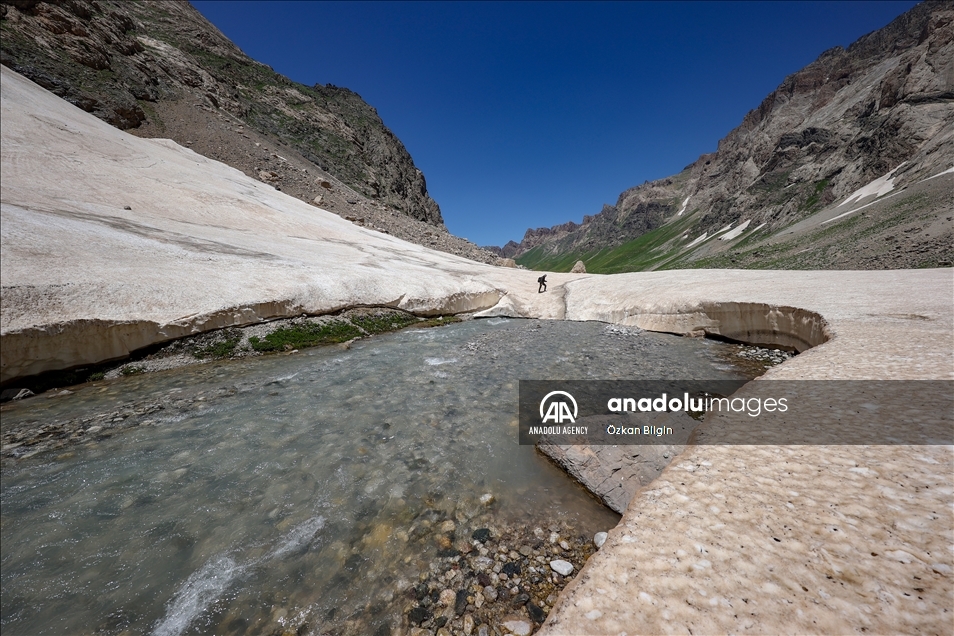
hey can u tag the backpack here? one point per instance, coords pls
(542, 279)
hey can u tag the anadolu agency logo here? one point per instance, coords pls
(558, 410)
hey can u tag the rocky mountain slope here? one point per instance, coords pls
(775, 192)
(160, 69)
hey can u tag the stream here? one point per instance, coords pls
(304, 493)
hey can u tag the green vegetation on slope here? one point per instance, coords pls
(649, 251)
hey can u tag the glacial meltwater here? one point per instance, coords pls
(304, 493)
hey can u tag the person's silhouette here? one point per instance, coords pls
(543, 284)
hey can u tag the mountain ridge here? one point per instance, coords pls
(885, 102)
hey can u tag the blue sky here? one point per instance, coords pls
(531, 114)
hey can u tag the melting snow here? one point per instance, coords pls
(843, 214)
(684, 204)
(879, 187)
(728, 236)
(699, 239)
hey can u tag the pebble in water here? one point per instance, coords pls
(447, 597)
(522, 588)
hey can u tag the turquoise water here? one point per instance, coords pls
(271, 493)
